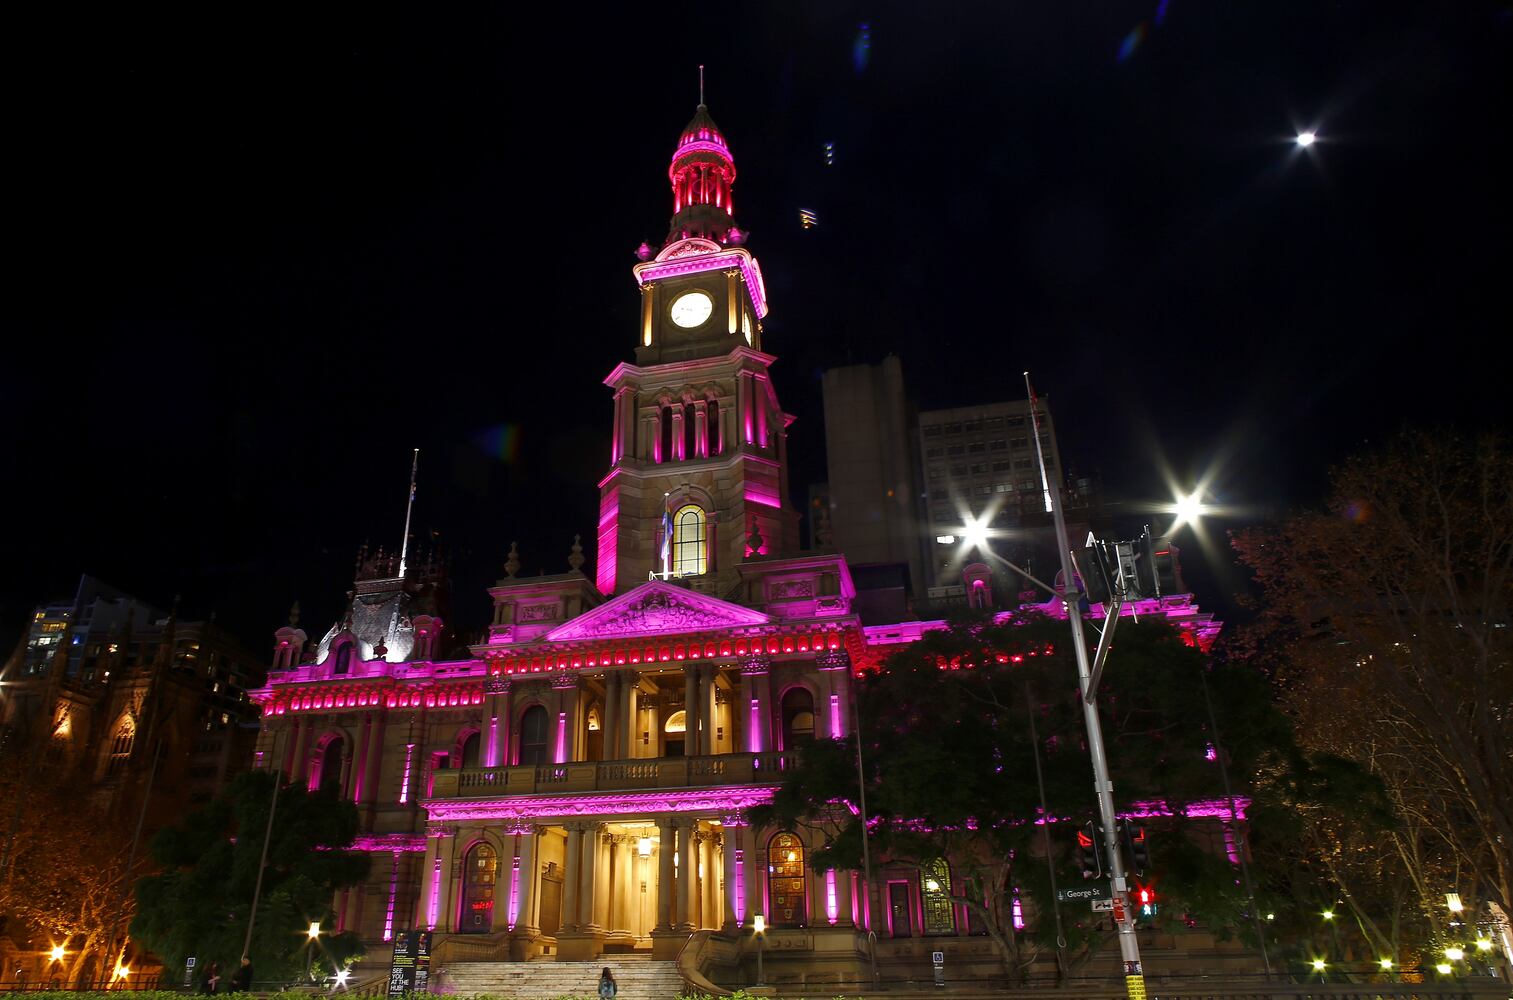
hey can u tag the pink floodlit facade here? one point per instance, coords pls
(597, 751)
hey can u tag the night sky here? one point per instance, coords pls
(255, 261)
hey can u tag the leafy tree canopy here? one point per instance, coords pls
(950, 766)
(200, 904)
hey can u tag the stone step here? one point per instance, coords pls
(637, 978)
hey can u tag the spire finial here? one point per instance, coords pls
(512, 564)
(701, 85)
(575, 556)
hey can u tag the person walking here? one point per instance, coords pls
(241, 979)
(607, 987)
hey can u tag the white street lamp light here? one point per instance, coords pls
(1306, 139)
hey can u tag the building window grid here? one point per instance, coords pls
(689, 551)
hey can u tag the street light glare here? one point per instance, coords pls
(314, 930)
(57, 953)
(975, 533)
(1306, 139)
(1318, 965)
(1386, 963)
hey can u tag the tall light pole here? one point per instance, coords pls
(1129, 947)
(257, 888)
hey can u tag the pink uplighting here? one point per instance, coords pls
(393, 893)
(832, 910)
(720, 799)
(755, 729)
(435, 896)
(561, 738)
(515, 892)
(404, 782)
(740, 886)
(835, 717)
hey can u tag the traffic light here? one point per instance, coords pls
(1138, 847)
(1087, 855)
(1157, 570)
(1145, 901)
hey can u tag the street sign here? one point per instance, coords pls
(1103, 905)
(1118, 909)
(1091, 891)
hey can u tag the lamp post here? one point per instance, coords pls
(759, 928)
(314, 935)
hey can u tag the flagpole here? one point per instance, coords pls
(404, 546)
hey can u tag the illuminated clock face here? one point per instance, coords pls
(691, 309)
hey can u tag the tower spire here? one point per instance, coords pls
(404, 546)
(701, 85)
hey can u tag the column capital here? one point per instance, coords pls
(497, 685)
(566, 681)
(756, 664)
(523, 829)
(435, 829)
(833, 659)
(733, 819)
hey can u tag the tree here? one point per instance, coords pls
(1385, 620)
(66, 871)
(200, 904)
(950, 768)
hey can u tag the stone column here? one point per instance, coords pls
(755, 682)
(498, 736)
(688, 876)
(622, 883)
(427, 878)
(691, 709)
(631, 725)
(572, 874)
(745, 421)
(822, 706)
(374, 764)
(754, 863)
(564, 731)
(360, 770)
(701, 429)
(733, 903)
(707, 709)
(665, 848)
(709, 881)
(300, 744)
(677, 433)
(525, 905)
(588, 906)
(607, 723)
(843, 899)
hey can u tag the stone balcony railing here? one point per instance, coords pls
(613, 775)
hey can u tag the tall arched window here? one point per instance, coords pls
(480, 872)
(712, 427)
(935, 893)
(470, 751)
(798, 717)
(329, 779)
(343, 658)
(785, 864)
(533, 736)
(120, 745)
(688, 549)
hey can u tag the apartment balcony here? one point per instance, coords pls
(613, 776)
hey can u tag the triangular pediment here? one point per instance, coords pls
(657, 608)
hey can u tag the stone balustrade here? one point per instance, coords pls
(613, 775)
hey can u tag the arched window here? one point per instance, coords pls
(713, 428)
(329, 776)
(533, 736)
(785, 864)
(480, 872)
(120, 745)
(935, 893)
(469, 757)
(688, 541)
(798, 717)
(343, 658)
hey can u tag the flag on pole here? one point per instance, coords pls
(667, 536)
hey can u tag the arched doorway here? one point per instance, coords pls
(533, 736)
(787, 878)
(935, 897)
(674, 734)
(798, 717)
(469, 756)
(480, 873)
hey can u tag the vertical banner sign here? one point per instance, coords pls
(189, 972)
(422, 953)
(402, 965)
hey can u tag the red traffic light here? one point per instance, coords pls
(1083, 840)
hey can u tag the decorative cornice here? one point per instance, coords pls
(566, 681)
(657, 608)
(717, 801)
(756, 664)
(374, 842)
(833, 659)
(497, 685)
(438, 829)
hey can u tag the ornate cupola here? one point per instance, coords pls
(702, 173)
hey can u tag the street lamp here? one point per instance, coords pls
(314, 935)
(1306, 138)
(57, 953)
(759, 928)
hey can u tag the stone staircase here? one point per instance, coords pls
(638, 978)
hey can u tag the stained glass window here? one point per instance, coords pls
(785, 871)
(935, 892)
(480, 873)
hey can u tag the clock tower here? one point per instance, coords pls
(698, 457)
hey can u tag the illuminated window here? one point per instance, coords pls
(533, 736)
(480, 874)
(120, 746)
(935, 893)
(786, 880)
(688, 553)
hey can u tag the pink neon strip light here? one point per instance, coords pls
(493, 741)
(515, 893)
(740, 886)
(435, 896)
(561, 737)
(832, 909)
(835, 717)
(393, 892)
(756, 727)
(404, 784)
(693, 264)
(721, 799)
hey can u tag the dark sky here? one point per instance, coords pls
(257, 258)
